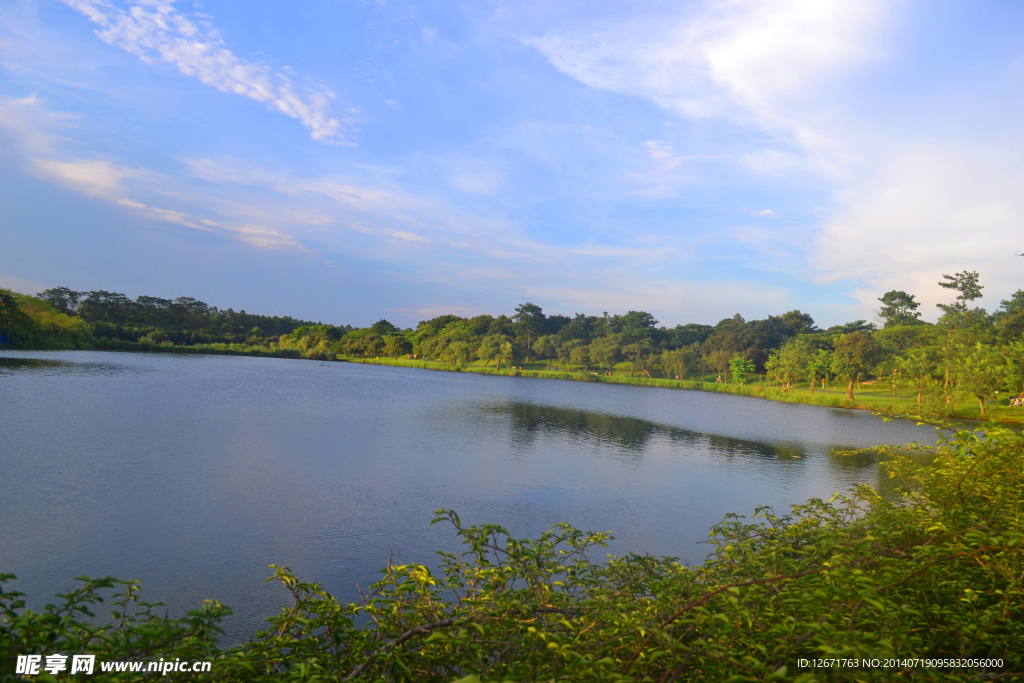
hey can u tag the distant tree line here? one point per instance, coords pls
(184, 321)
(967, 354)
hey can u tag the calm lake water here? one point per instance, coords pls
(193, 473)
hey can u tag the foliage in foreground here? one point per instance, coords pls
(934, 574)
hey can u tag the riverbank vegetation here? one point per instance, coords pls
(928, 585)
(969, 364)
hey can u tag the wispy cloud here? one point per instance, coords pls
(157, 31)
(39, 150)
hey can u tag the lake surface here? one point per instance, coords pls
(193, 473)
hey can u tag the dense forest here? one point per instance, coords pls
(968, 354)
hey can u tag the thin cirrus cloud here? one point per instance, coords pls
(34, 142)
(156, 31)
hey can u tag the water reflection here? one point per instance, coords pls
(8, 363)
(630, 434)
(56, 366)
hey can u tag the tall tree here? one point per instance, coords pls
(967, 287)
(63, 299)
(529, 321)
(385, 328)
(899, 308)
(637, 327)
(798, 323)
(957, 319)
(108, 307)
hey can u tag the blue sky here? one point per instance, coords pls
(347, 161)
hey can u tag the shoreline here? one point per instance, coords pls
(750, 390)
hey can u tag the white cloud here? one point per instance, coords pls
(156, 31)
(94, 177)
(663, 155)
(910, 203)
(737, 58)
(930, 210)
(407, 236)
(32, 124)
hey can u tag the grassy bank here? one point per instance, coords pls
(927, 586)
(869, 397)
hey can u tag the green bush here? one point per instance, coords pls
(933, 573)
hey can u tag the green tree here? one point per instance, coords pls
(899, 308)
(63, 299)
(681, 361)
(981, 372)
(15, 324)
(1013, 356)
(103, 306)
(546, 346)
(579, 354)
(718, 360)
(565, 348)
(383, 328)
(456, 353)
(397, 346)
(967, 287)
(1009, 317)
(917, 367)
(854, 353)
(741, 368)
(798, 323)
(373, 345)
(794, 357)
(490, 349)
(818, 366)
(509, 353)
(960, 322)
(606, 351)
(637, 327)
(529, 322)
(637, 355)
